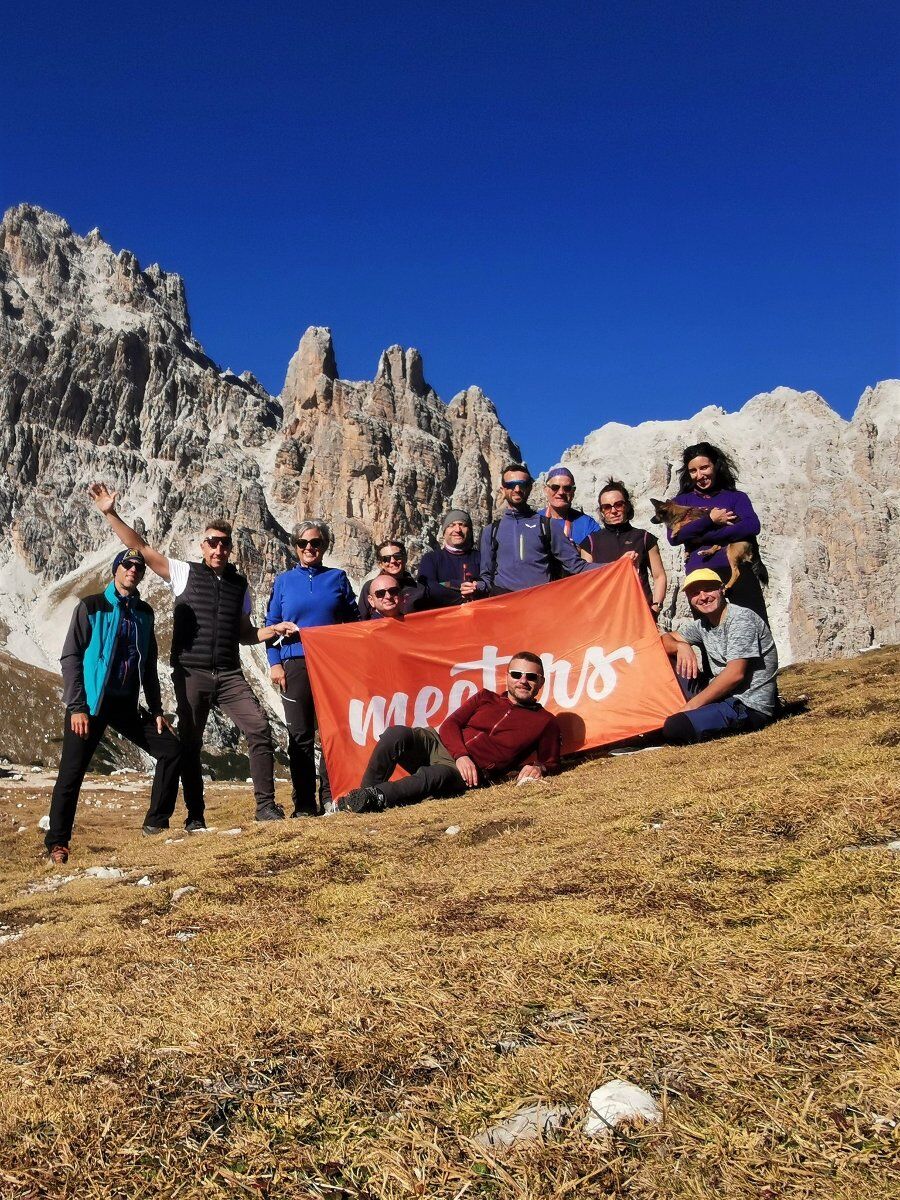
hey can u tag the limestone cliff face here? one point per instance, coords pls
(385, 458)
(826, 490)
(101, 378)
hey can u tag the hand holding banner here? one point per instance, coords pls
(607, 675)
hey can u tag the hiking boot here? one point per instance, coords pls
(153, 830)
(367, 799)
(270, 812)
(194, 825)
(59, 855)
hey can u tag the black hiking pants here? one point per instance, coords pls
(300, 718)
(196, 691)
(432, 768)
(134, 723)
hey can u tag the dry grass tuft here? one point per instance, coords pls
(352, 1000)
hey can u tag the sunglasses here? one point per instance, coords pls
(510, 485)
(561, 487)
(390, 558)
(531, 676)
(215, 542)
(381, 593)
(139, 567)
(614, 507)
(309, 543)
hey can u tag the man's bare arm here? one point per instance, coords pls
(725, 683)
(250, 635)
(104, 501)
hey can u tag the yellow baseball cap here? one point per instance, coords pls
(702, 575)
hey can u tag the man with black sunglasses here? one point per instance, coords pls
(391, 559)
(487, 736)
(523, 548)
(559, 491)
(109, 655)
(210, 621)
(384, 598)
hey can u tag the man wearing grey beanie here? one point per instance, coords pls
(451, 574)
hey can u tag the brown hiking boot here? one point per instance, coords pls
(59, 855)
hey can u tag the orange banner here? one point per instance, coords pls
(608, 677)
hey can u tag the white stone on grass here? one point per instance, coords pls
(105, 873)
(526, 1125)
(615, 1102)
(452, 830)
(44, 823)
(144, 881)
(180, 893)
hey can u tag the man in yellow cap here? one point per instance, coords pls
(736, 691)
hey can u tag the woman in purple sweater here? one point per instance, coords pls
(708, 480)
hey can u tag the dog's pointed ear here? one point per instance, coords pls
(656, 519)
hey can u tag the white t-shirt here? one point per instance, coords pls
(178, 577)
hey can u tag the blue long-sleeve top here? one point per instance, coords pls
(308, 596)
(524, 556)
(705, 532)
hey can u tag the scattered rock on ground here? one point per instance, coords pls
(615, 1102)
(526, 1125)
(180, 893)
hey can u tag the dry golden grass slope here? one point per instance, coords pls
(705, 914)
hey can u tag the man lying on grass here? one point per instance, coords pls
(485, 738)
(737, 690)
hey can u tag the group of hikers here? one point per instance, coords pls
(110, 652)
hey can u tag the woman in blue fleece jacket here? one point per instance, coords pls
(315, 595)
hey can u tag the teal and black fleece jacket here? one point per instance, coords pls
(90, 646)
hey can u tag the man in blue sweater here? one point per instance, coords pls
(524, 548)
(108, 656)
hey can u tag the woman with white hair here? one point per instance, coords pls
(316, 595)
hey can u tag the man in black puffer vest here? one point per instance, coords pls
(211, 620)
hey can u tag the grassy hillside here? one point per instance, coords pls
(321, 1016)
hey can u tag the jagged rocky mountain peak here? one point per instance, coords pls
(100, 378)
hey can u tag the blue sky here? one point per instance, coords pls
(594, 211)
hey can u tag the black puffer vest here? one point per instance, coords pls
(206, 624)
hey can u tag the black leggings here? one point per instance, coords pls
(300, 718)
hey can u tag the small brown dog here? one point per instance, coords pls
(675, 516)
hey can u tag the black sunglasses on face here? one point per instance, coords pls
(216, 542)
(510, 485)
(531, 676)
(308, 543)
(561, 487)
(616, 504)
(390, 558)
(381, 593)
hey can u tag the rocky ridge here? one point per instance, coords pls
(101, 377)
(827, 492)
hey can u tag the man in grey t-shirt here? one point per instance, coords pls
(739, 692)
